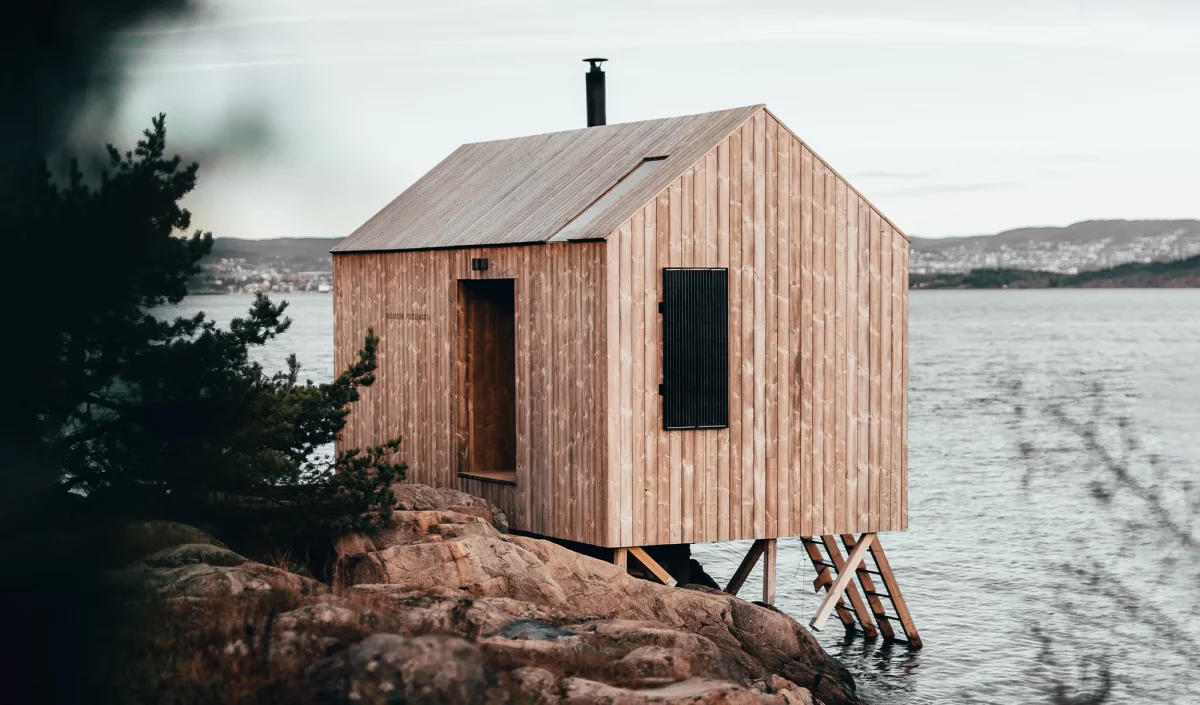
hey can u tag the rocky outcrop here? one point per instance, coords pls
(483, 566)
(205, 570)
(443, 607)
(761, 642)
(150, 536)
(389, 668)
(423, 497)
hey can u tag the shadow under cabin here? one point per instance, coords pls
(640, 336)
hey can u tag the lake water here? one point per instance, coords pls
(1053, 548)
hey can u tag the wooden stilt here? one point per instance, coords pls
(837, 572)
(843, 579)
(769, 560)
(856, 600)
(653, 566)
(747, 565)
(825, 578)
(864, 578)
(893, 588)
(621, 557)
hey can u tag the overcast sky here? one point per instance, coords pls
(955, 117)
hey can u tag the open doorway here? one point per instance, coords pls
(487, 405)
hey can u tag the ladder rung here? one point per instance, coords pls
(889, 617)
(809, 539)
(868, 570)
(825, 564)
(877, 594)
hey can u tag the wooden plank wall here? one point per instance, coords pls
(817, 440)
(411, 300)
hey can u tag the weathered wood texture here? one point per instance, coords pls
(817, 353)
(816, 442)
(411, 299)
(526, 189)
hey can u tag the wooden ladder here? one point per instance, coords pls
(868, 615)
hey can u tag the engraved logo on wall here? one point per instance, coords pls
(398, 316)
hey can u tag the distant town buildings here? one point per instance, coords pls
(1064, 257)
(237, 275)
(286, 265)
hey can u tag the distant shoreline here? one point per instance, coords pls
(1176, 274)
(243, 293)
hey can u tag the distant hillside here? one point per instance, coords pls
(1023, 255)
(1184, 273)
(289, 253)
(1120, 232)
(285, 264)
(1092, 244)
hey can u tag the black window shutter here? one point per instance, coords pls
(695, 311)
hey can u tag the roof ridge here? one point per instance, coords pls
(628, 123)
(526, 189)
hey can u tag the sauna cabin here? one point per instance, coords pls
(671, 331)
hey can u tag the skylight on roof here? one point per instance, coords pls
(580, 222)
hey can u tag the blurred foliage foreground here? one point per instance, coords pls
(115, 415)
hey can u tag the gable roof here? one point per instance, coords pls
(527, 189)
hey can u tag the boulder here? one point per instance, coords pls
(441, 606)
(432, 546)
(693, 691)
(192, 554)
(414, 526)
(203, 580)
(484, 566)
(150, 536)
(761, 640)
(789, 692)
(702, 656)
(388, 668)
(570, 653)
(446, 611)
(650, 666)
(320, 615)
(535, 686)
(753, 641)
(317, 628)
(423, 497)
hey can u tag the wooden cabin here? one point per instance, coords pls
(671, 331)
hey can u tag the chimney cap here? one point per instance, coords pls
(595, 62)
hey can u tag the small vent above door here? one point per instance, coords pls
(695, 311)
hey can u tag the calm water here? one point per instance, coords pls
(1054, 448)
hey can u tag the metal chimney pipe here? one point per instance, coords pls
(595, 93)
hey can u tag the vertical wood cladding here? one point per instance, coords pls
(411, 299)
(817, 291)
(817, 287)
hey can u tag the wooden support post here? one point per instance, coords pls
(621, 557)
(845, 575)
(769, 572)
(747, 565)
(856, 600)
(653, 566)
(889, 581)
(825, 578)
(873, 601)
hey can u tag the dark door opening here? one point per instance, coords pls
(487, 418)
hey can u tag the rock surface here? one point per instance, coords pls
(388, 668)
(443, 607)
(423, 497)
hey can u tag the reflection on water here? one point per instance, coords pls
(1053, 553)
